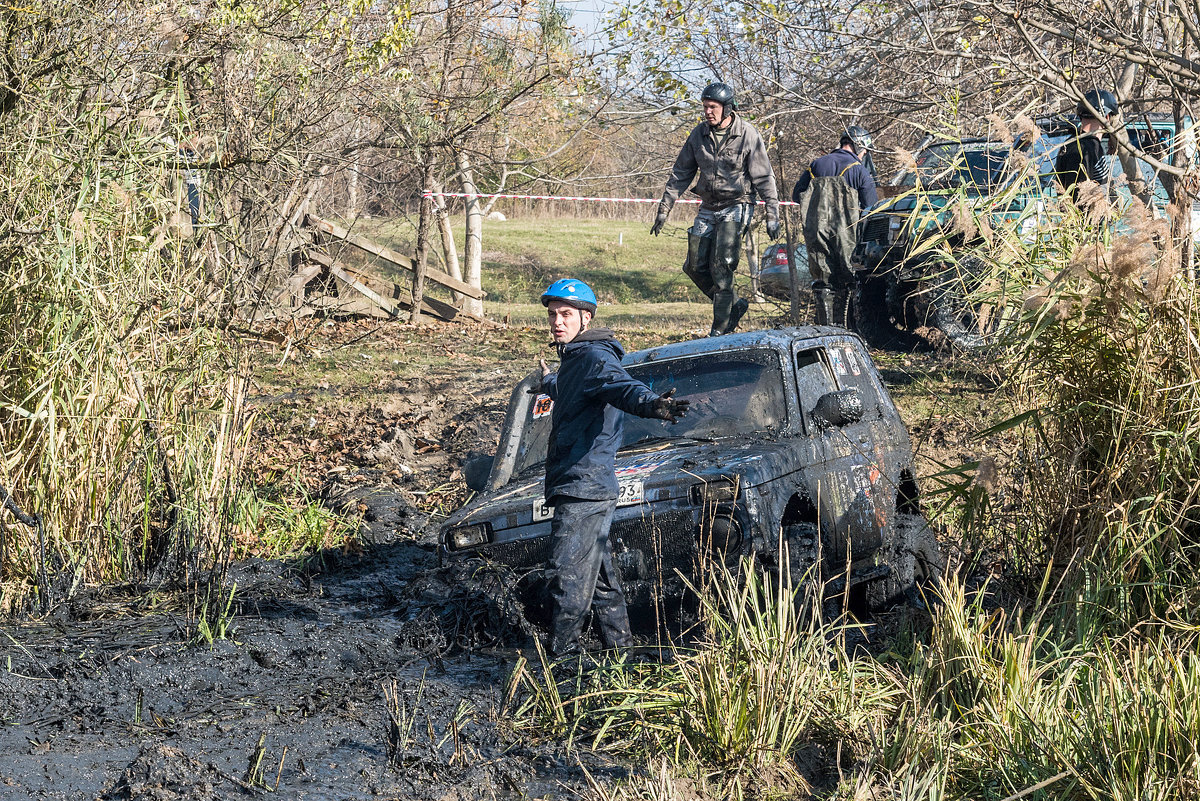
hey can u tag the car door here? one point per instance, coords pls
(846, 469)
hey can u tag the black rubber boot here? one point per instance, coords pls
(727, 246)
(841, 316)
(696, 266)
(740, 307)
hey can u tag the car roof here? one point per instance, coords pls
(772, 338)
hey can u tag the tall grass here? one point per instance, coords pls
(123, 419)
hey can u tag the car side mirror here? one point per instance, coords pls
(476, 470)
(841, 408)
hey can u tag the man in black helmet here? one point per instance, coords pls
(730, 158)
(1085, 158)
(842, 189)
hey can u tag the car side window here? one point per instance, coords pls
(814, 378)
(853, 369)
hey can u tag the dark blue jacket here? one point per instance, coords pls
(840, 163)
(590, 390)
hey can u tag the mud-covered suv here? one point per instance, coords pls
(791, 438)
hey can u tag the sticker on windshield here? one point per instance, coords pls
(542, 406)
(852, 360)
(835, 356)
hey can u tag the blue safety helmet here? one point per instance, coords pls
(572, 291)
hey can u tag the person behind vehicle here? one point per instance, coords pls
(842, 190)
(730, 158)
(1085, 157)
(590, 391)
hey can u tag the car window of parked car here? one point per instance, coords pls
(852, 368)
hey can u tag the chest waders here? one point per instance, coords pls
(711, 263)
(830, 234)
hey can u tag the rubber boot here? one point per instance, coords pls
(822, 304)
(740, 307)
(727, 246)
(841, 316)
(696, 266)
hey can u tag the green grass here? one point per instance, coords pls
(521, 257)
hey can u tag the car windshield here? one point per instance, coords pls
(974, 165)
(732, 393)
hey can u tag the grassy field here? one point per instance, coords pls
(620, 259)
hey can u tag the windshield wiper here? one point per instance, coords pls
(665, 438)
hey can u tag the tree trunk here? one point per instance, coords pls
(474, 248)
(418, 286)
(449, 248)
(355, 169)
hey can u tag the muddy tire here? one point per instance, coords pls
(967, 325)
(801, 541)
(916, 562)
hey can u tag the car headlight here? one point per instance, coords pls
(468, 536)
(719, 490)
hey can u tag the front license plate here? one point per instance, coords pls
(629, 492)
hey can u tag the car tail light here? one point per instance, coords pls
(472, 536)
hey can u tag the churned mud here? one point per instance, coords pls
(295, 700)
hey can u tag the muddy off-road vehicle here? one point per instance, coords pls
(791, 438)
(903, 285)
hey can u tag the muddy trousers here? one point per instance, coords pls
(583, 576)
(711, 263)
(833, 282)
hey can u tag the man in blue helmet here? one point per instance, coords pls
(730, 159)
(590, 391)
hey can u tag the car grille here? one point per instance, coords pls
(875, 229)
(666, 541)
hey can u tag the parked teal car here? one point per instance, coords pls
(906, 276)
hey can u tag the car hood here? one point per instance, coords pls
(667, 471)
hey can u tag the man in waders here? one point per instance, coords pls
(730, 159)
(590, 391)
(842, 189)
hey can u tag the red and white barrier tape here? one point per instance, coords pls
(583, 199)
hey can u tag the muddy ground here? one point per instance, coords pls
(102, 702)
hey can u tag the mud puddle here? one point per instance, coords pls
(294, 702)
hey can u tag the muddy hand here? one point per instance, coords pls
(667, 408)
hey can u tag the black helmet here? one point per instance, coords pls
(1102, 100)
(721, 93)
(857, 136)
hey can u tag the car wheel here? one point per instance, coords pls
(968, 325)
(915, 561)
(874, 304)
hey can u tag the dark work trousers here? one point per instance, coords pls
(583, 577)
(711, 264)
